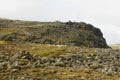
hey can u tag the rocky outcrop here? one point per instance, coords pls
(69, 33)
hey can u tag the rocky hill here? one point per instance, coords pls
(62, 33)
(31, 50)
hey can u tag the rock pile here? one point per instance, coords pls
(107, 62)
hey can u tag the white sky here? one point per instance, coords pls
(104, 14)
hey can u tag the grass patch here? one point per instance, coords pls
(47, 50)
(3, 42)
(8, 30)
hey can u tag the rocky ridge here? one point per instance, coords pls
(58, 33)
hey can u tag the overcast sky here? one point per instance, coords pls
(104, 14)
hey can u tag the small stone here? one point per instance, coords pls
(73, 76)
(14, 70)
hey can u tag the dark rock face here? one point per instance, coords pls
(69, 33)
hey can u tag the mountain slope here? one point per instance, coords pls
(67, 33)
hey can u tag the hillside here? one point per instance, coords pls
(31, 50)
(115, 46)
(30, 61)
(62, 33)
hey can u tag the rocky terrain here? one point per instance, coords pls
(59, 33)
(32, 50)
(65, 63)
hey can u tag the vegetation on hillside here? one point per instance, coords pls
(31, 50)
